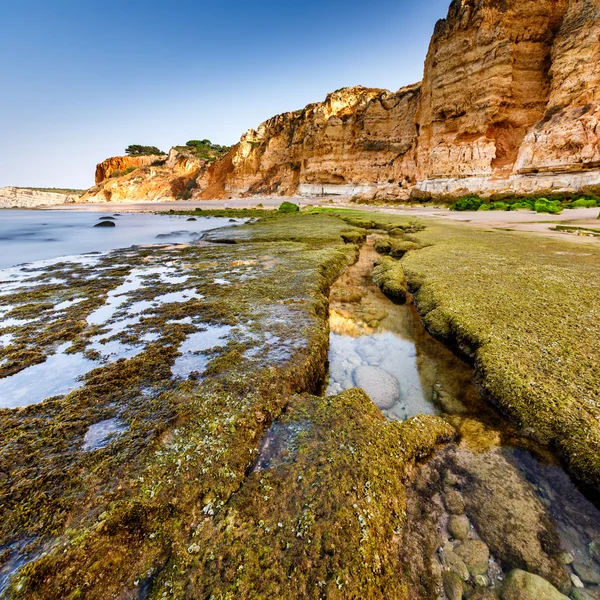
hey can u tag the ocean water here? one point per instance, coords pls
(32, 235)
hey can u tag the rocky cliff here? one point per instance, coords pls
(13, 197)
(125, 178)
(509, 104)
(356, 140)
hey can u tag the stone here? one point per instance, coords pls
(586, 574)
(475, 555)
(566, 558)
(453, 585)
(578, 594)
(514, 524)
(454, 563)
(520, 585)
(576, 581)
(192, 219)
(459, 526)
(483, 594)
(454, 502)
(105, 224)
(382, 387)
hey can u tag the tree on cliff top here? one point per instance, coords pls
(138, 150)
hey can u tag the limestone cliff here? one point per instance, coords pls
(13, 197)
(146, 178)
(509, 104)
(357, 140)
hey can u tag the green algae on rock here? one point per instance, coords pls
(389, 276)
(524, 309)
(136, 517)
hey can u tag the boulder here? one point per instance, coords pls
(382, 387)
(105, 224)
(520, 585)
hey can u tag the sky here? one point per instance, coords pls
(81, 80)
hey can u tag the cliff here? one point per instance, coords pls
(126, 178)
(13, 197)
(357, 140)
(117, 165)
(509, 104)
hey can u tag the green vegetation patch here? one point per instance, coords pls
(389, 276)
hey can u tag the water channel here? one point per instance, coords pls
(479, 508)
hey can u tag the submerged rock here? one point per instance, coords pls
(453, 585)
(520, 585)
(515, 524)
(105, 224)
(382, 387)
(459, 527)
(586, 574)
(475, 555)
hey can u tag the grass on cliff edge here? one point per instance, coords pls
(527, 310)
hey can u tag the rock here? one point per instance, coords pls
(107, 219)
(520, 585)
(450, 404)
(566, 558)
(475, 555)
(453, 585)
(455, 563)
(481, 581)
(454, 502)
(105, 224)
(24, 198)
(483, 594)
(382, 387)
(459, 526)
(515, 522)
(577, 594)
(192, 219)
(576, 581)
(586, 574)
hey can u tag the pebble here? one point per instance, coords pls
(475, 555)
(576, 581)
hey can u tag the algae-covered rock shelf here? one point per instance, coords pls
(174, 440)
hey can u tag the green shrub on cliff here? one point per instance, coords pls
(139, 150)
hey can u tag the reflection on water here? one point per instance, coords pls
(488, 504)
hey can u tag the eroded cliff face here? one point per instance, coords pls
(568, 137)
(509, 104)
(151, 178)
(119, 164)
(486, 82)
(358, 139)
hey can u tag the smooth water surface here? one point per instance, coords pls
(32, 235)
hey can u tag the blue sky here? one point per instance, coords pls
(81, 80)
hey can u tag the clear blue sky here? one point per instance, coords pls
(80, 80)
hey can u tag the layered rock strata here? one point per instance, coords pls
(13, 197)
(154, 178)
(509, 104)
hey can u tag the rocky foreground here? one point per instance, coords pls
(508, 105)
(238, 481)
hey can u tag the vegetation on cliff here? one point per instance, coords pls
(139, 150)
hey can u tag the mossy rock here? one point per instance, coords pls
(288, 207)
(354, 236)
(383, 246)
(399, 248)
(389, 276)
